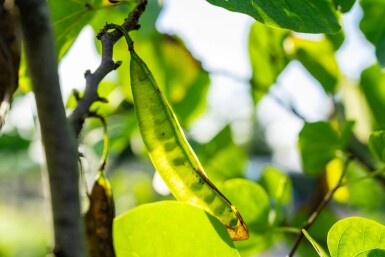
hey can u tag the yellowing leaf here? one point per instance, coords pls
(333, 172)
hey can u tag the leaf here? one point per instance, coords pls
(321, 252)
(253, 204)
(372, 253)
(307, 16)
(318, 57)
(251, 201)
(267, 57)
(171, 228)
(346, 132)
(186, 82)
(372, 81)
(334, 171)
(222, 158)
(279, 188)
(68, 19)
(377, 144)
(368, 194)
(373, 26)
(344, 5)
(318, 143)
(336, 39)
(271, 180)
(354, 235)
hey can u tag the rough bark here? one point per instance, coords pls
(57, 136)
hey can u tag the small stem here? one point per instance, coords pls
(129, 40)
(290, 230)
(370, 175)
(103, 160)
(279, 195)
(319, 208)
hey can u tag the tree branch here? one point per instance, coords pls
(58, 139)
(108, 39)
(319, 208)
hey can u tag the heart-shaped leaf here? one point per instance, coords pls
(171, 228)
(353, 236)
(307, 16)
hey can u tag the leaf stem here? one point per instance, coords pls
(291, 230)
(326, 199)
(103, 160)
(369, 175)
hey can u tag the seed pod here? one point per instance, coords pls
(171, 153)
(99, 219)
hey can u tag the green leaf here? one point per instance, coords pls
(186, 82)
(346, 132)
(299, 15)
(380, 50)
(336, 39)
(318, 57)
(68, 19)
(267, 57)
(368, 194)
(171, 229)
(373, 26)
(344, 5)
(271, 180)
(372, 81)
(222, 158)
(372, 253)
(251, 201)
(279, 188)
(318, 143)
(321, 252)
(377, 144)
(354, 235)
(253, 204)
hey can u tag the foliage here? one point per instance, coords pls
(274, 201)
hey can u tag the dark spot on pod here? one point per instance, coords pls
(159, 119)
(209, 198)
(169, 146)
(178, 161)
(218, 211)
(162, 135)
(233, 222)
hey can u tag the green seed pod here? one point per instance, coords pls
(171, 153)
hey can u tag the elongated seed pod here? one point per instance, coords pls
(171, 153)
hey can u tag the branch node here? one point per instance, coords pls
(102, 100)
(87, 73)
(76, 94)
(117, 64)
(108, 39)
